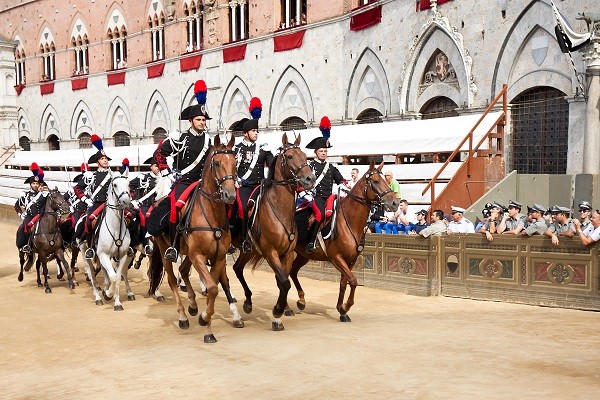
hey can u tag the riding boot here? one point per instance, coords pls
(89, 237)
(246, 244)
(26, 248)
(172, 252)
(313, 231)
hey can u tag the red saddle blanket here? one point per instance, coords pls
(176, 205)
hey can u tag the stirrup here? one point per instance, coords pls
(171, 254)
(26, 249)
(129, 252)
(231, 249)
(246, 246)
(311, 247)
(148, 249)
(89, 254)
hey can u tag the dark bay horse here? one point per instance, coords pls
(343, 247)
(273, 230)
(207, 237)
(47, 239)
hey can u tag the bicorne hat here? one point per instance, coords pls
(97, 142)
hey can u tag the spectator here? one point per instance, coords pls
(590, 234)
(486, 216)
(303, 19)
(562, 225)
(537, 225)
(513, 222)
(490, 227)
(459, 223)
(585, 211)
(421, 223)
(387, 223)
(394, 185)
(353, 178)
(548, 216)
(405, 217)
(375, 215)
(437, 227)
(119, 63)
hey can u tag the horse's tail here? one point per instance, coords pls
(156, 270)
(255, 261)
(28, 262)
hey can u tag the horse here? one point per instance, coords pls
(346, 242)
(47, 240)
(207, 237)
(113, 243)
(273, 230)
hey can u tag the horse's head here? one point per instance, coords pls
(118, 192)
(57, 203)
(222, 169)
(376, 189)
(294, 164)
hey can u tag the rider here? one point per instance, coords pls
(95, 193)
(144, 187)
(189, 150)
(78, 207)
(251, 160)
(326, 174)
(24, 209)
(27, 195)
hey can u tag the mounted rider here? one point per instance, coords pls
(188, 150)
(95, 193)
(144, 188)
(251, 160)
(327, 174)
(26, 196)
(29, 206)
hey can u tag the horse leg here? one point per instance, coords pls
(22, 262)
(111, 279)
(238, 268)
(90, 274)
(298, 263)
(138, 263)
(283, 283)
(44, 262)
(38, 266)
(210, 279)
(74, 255)
(237, 318)
(125, 274)
(184, 323)
(184, 272)
(347, 278)
(121, 271)
(60, 257)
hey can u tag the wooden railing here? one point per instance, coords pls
(7, 153)
(490, 136)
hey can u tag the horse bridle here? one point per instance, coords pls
(369, 185)
(120, 204)
(219, 181)
(285, 164)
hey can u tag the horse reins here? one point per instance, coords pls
(119, 208)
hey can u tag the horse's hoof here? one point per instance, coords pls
(201, 321)
(192, 311)
(131, 297)
(106, 297)
(76, 269)
(238, 324)
(99, 302)
(71, 285)
(48, 290)
(289, 313)
(160, 298)
(345, 318)
(247, 307)
(278, 326)
(20, 278)
(183, 288)
(301, 306)
(233, 300)
(184, 324)
(60, 277)
(40, 285)
(210, 338)
(204, 293)
(118, 308)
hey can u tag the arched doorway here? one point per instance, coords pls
(440, 107)
(159, 134)
(369, 116)
(293, 123)
(540, 130)
(53, 142)
(121, 139)
(25, 143)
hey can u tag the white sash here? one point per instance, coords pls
(252, 165)
(147, 195)
(320, 178)
(198, 159)
(100, 186)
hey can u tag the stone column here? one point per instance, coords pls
(160, 43)
(233, 6)
(154, 44)
(190, 33)
(242, 20)
(114, 53)
(591, 152)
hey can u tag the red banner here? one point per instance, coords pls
(288, 42)
(365, 19)
(190, 63)
(426, 4)
(19, 88)
(116, 78)
(46, 88)
(156, 70)
(236, 53)
(78, 84)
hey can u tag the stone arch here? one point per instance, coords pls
(291, 98)
(50, 124)
(157, 114)
(156, 10)
(81, 120)
(369, 87)
(115, 20)
(235, 103)
(118, 118)
(436, 34)
(24, 125)
(46, 36)
(79, 30)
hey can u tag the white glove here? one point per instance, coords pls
(163, 184)
(306, 195)
(135, 204)
(22, 215)
(89, 202)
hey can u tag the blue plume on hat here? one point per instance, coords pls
(255, 108)
(325, 127)
(97, 142)
(200, 91)
(124, 164)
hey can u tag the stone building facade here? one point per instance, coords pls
(124, 69)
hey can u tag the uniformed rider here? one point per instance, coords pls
(24, 209)
(27, 195)
(144, 188)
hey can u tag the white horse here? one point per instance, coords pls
(113, 244)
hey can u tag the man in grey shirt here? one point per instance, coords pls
(437, 227)
(539, 227)
(562, 225)
(512, 222)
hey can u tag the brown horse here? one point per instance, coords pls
(47, 239)
(206, 239)
(273, 231)
(343, 247)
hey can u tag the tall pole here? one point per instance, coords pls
(591, 150)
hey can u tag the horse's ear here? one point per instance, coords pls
(125, 173)
(284, 139)
(231, 142)
(380, 166)
(56, 188)
(217, 141)
(297, 141)
(372, 165)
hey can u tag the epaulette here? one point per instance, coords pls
(264, 147)
(175, 136)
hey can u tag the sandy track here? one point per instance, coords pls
(61, 345)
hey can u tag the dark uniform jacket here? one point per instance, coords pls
(76, 204)
(185, 149)
(99, 180)
(142, 187)
(23, 200)
(245, 154)
(325, 186)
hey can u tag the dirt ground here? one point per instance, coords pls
(61, 345)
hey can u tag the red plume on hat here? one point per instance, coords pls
(97, 142)
(35, 169)
(200, 91)
(325, 127)
(125, 164)
(85, 167)
(255, 108)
